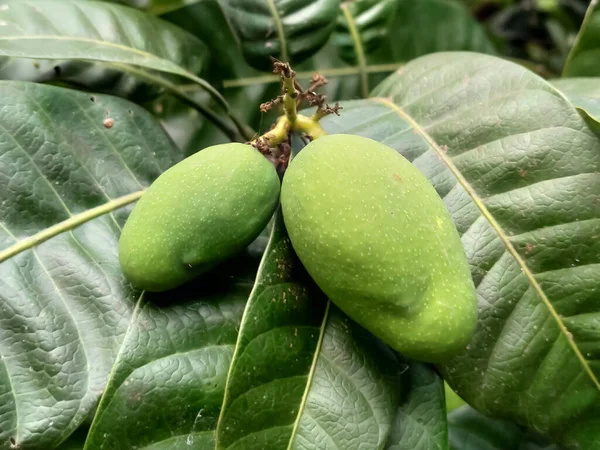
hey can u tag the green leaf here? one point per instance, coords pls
(166, 387)
(471, 430)
(363, 26)
(420, 422)
(519, 172)
(453, 29)
(287, 30)
(584, 93)
(401, 30)
(206, 20)
(584, 58)
(303, 375)
(97, 31)
(68, 162)
(279, 334)
(125, 39)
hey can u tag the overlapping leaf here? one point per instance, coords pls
(401, 30)
(66, 159)
(166, 388)
(123, 39)
(420, 422)
(303, 375)
(584, 58)
(288, 30)
(98, 31)
(584, 93)
(363, 23)
(471, 430)
(526, 204)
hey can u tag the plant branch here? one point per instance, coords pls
(358, 49)
(237, 133)
(290, 94)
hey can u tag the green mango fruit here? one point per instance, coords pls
(197, 214)
(377, 239)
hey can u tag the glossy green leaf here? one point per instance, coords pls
(279, 335)
(68, 162)
(420, 422)
(166, 387)
(401, 30)
(428, 26)
(287, 30)
(584, 93)
(124, 39)
(302, 376)
(364, 23)
(206, 20)
(584, 58)
(519, 172)
(97, 31)
(471, 430)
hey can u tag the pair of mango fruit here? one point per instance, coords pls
(366, 224)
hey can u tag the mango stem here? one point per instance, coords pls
(292, 94)
(308, 126)
(290, 97)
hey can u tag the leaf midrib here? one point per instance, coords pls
(67, 225)
(499, 231)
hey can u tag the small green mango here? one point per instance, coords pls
(197, 214)
(376, 238)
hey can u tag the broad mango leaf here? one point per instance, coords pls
(519, 172)
(584, 93)
(166, 387)
(287, 30)
(584, 58)
(362, 27)
(404, 29)
(420, 422)
(206, 20)
(303, 375)
(379, 36)
(471, 430)
(70, 163)
(123, 39)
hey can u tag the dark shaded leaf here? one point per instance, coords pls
(125, 39)
(366, 23)
(584, 58)
(304, 377)
(420, 422)
(68, 161)
(471, 430)
(166, 387)
(287, 30)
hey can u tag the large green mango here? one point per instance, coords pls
(377, 239)
(197, 214)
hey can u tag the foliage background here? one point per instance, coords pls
(74, 332)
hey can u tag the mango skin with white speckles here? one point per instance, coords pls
(377, 239)
(198, 214)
